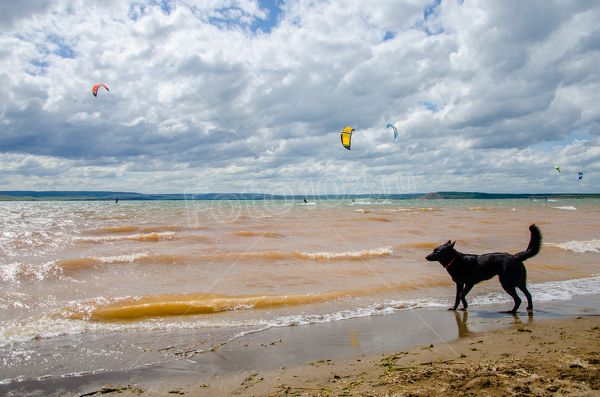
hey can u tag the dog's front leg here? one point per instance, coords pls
(459, 289)
(463, 294)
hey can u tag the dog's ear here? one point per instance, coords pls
(452, 246)
(448, 243)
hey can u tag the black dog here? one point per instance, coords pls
(467, 270)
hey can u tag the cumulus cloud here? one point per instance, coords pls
(486, 95)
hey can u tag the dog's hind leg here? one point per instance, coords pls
(523, 289)
(522, 284)
(512, 291)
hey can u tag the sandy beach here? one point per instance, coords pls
(559, 357)
(416, 352)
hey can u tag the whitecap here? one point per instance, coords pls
(578, 247)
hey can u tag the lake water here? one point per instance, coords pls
(97, 286)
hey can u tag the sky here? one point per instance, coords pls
(251, 96)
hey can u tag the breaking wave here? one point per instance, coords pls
(578, 247)
(129, 313)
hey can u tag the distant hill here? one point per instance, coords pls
(431, 196)
(82, 196)
(487, 196)
(126, 196)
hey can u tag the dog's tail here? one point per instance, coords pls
(535, 244)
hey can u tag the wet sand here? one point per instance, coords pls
(423, 352)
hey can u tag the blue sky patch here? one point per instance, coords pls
(388, 35)
(228, 18)
(165, 5)
(39, 67)
(430, 10)
(549, 146)
(273, 12)
(64, 50)
(136, 11)
(429, 106)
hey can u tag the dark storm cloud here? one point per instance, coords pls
(14, 10)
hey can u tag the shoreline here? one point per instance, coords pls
(107, 196)
(320, 357)
(554, 357)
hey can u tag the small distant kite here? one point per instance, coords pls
(558, 169)
(346, 136)
(580, 175)
(95, 89)
(395, 131)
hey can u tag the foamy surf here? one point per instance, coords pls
(364, 254)
(133, 237)
(81, 318)
(13, 272)
(133, 228)
(545, 292)
(169, 305)
(578, 247)
(248, 233)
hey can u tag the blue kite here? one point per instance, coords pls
(395, 132)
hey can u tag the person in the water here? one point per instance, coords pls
(305, 200)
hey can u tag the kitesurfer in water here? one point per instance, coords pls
(305, 200)
(117, 200)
